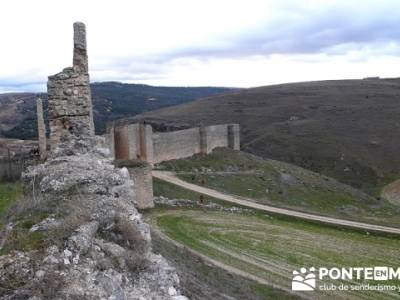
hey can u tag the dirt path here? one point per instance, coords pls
(171, 178)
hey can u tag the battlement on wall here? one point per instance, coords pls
(138, 141)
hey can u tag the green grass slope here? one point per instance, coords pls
(271, 248)
(281, 184)
(346, 129)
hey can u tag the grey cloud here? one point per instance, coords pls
(307, 33)
(331, 28)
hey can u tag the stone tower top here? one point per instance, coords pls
(80, 61)
(69, 97)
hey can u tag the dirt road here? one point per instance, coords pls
(171, 178)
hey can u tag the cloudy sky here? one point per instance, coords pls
(241, 43)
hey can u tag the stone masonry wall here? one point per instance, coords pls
(176, 144)
(216, 136)
(121, 142)
(234, 136)
(41, 127)
(143, 179)
(69, 97)
(134, 141)
(137, 141)
(146, 143)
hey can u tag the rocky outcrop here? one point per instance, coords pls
(96, 244)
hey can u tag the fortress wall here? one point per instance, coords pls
(146, 143)
(137, 141)
(121, 142)
(110, 138)
(143, 181)
(133, 141)
(234, 136)
(11, 169)
(216, 136)
(176, 144)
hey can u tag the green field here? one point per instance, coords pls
(9, 192)
(20, 237)
(271, 248)
(284, 185)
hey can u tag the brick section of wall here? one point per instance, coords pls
(143, 183)
(176, 144)
(70, 101)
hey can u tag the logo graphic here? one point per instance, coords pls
(381, 273)
(303, 280)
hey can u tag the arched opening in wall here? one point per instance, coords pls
(121, 142)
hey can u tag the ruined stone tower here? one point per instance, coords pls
(41, 129)
(70, 101)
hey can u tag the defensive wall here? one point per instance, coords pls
(15, 156)
(138, 141)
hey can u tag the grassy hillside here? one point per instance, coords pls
(346, 129)
(111, 100)
(280, 184)
(271, 248)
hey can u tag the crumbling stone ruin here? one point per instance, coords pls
(15, 156)
(134, 143)
(86, 239)
(69, 97)
(41, 129)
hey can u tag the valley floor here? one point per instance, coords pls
(270, 248)
(246, 234)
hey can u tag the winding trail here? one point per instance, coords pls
(172, 178)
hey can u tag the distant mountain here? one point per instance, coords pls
(347, 129)
(111, 100)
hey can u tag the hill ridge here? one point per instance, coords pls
(346, 129)
(112, 100)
